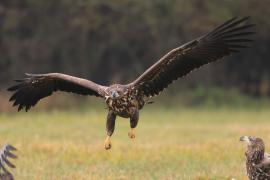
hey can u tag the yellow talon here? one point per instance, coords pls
(131, 133)
(108, 143)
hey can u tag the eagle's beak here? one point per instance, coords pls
(244, 138)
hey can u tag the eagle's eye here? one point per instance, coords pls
(115, 94)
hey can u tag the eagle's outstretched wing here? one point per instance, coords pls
(5, 153)
(30, 90)
(224, 40)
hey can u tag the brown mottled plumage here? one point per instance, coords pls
(127, 100)
(5, 153)
(257, 161)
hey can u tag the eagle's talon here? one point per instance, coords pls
(108, 143)
(131, 134)
(108, 146)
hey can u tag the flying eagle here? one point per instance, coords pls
(258, 161)
(126, 100)
(5, 153)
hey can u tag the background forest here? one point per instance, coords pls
(114, 41)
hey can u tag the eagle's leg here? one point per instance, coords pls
(110, 129)
(133, 123)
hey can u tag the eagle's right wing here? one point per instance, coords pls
(224, 40)
(5, 153)
(37, 86)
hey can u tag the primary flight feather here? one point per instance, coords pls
(5, 153)
(127, 100)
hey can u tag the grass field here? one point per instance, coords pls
(169, 144)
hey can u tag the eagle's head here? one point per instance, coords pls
(255, 148)
(114, 92)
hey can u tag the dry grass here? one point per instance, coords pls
(170, 144)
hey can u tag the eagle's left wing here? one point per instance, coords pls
(35, 87)
(5, 153)
(224, 40)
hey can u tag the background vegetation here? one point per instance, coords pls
(186, 144)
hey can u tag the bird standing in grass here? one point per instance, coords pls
(257, 160)
(5, 153)
(126, 100)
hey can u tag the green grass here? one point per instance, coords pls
(169, 144)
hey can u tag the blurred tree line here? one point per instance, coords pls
(114, 41)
